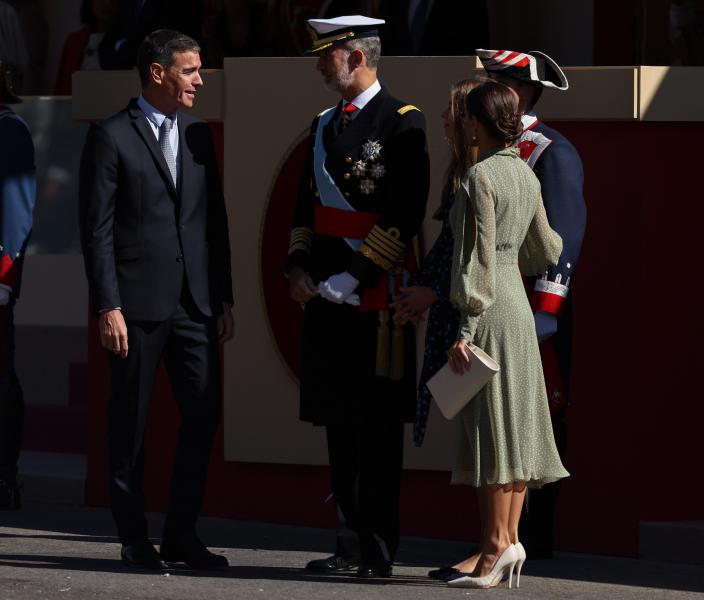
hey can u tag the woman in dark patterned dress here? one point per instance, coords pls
(430, 286)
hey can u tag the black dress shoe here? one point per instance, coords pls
(373, 571)
(142, 555)
(442, 573)
(190, 550)
(9, 495)
(333, 563)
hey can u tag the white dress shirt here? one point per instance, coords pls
(363, 99)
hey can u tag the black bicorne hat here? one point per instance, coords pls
(531, 67)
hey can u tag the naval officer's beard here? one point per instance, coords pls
(340, 80)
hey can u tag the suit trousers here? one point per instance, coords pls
(188, 343)
(365, 468)
(11, 398)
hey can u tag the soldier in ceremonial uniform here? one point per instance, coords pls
(557, 165)
(17, 195)
(361, 202)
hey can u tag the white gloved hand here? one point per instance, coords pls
(4, 294)
(337, 288)
(353, 299)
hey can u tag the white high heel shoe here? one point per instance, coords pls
(505, 563)
(520, 559)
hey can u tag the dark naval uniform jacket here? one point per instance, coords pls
(558, 167)
(380, 165)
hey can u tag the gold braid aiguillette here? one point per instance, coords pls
(397, 353)
(382, 344)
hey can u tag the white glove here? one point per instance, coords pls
(4, 294)
(353, 299)
(338, 288)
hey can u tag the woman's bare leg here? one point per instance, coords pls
(468, 564)
(517, 499)
(496, 536)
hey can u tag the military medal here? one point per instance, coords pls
(359, 168)
(367, 186)
(377, 171)
(371, 150)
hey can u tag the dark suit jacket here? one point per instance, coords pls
(142, 236)
(452, 28)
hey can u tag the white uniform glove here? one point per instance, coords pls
(4, 294)
(338, 288)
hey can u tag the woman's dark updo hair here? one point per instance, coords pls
(496, 107)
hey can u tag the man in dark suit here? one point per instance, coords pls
(157, 257)
(361, 202)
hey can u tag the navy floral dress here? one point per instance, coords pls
(443, 318)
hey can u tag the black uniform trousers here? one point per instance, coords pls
(11, 398)
(537, 525)
(365, 468)
(188, 343)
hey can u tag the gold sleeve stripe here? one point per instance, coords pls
(375, 257)
(404, 109)
(392, 248)
(386, 236)
(299, 246)
(301, 238)
(301, 235)
(390, 253)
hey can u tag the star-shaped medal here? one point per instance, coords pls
(359, 168)
(371, 150)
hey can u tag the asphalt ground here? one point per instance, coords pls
(68, 552)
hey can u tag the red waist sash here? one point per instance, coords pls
(356, 225)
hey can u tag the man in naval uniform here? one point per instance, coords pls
(557, 165)
(361, 201)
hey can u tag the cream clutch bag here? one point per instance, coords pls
(453, 392)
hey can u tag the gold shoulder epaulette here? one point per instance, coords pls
(404, 109)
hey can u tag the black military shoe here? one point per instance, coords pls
(373, 571)
(192, 551)
(9, 495)
(142, 555)
(333, 563)
(443, 573)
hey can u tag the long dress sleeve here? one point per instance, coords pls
(542, 246)
(474, 258)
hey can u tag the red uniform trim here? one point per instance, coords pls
(546, 302)
(336, 222)
(8, 272)
(356, 225)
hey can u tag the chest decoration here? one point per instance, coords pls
(371, 150)
(368, 170)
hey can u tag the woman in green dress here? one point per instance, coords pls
(500, 231)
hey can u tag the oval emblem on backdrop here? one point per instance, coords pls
(284, 315)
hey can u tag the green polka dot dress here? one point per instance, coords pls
(500, 231)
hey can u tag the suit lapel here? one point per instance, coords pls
(144, 129)
(185, 160)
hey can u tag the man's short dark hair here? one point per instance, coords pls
(159, 47)
(537, 92)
